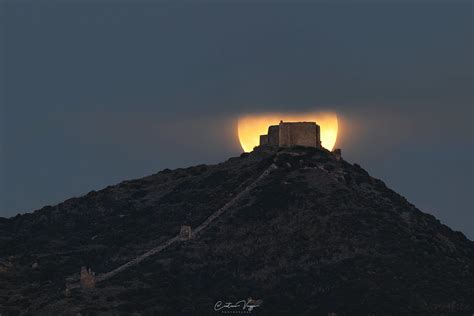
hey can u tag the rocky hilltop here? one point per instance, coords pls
(298, 230)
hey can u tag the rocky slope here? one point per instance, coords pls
(316, 235)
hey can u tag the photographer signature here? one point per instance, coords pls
(246, 305)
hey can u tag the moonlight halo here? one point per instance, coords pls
(251, 126)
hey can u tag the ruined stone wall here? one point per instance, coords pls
(299, 134)
(87, 278)
(263, 140)
(185, 233)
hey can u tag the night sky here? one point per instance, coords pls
(93, 94)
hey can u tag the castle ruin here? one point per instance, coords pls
(185, 233)
(289, 134)
(87, 278)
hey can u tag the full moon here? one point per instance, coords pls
(250, 127)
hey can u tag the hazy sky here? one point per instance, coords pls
(93, 94)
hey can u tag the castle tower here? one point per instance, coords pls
(185, 233)
(87, 278)
(289, 134)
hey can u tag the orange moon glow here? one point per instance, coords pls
(250, 127)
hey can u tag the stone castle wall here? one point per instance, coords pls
(289, 134)
(273, 135)
(299, 134)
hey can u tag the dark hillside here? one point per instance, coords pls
(316, 235)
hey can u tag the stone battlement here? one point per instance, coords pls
(289, 134)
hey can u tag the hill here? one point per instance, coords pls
(302, 231)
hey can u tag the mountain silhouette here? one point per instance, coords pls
(284, 232)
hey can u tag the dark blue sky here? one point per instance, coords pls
(93, 94)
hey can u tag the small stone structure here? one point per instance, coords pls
(289, 134)
(87, 278)
(185, 233)
(337, 153)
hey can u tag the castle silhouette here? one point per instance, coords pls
(289, 134)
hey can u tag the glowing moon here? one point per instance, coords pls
(250, 127)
